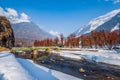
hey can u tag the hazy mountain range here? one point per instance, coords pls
(29, 30)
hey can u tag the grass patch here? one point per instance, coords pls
(22, 49)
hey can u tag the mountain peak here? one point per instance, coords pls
(98, 22)
(102, 19)
(115, 11)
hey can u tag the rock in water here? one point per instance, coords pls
(81, 70)
(6, 33)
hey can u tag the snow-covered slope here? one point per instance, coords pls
(22, 69)
(107, 22)
(10, 69)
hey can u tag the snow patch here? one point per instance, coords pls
(80, 29)
(71, 54)
(105, 56)
(11, 69)
(37, 72)
(116, 27)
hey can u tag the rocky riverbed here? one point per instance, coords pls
(85, 69)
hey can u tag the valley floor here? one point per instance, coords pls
(90, 61)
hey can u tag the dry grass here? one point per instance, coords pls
(4, 49)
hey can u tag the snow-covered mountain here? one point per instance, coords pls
(109, 22)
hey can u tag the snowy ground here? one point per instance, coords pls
(21, 69)
(11, 69)
(105, 56)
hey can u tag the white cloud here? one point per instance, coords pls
(55, 33)
(12, 12)
(24, 16)
(13, 15)
(114, 1)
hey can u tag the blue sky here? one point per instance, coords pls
(63, 16)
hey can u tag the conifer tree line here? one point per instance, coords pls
(96, 39)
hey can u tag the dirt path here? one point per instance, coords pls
(85, 69)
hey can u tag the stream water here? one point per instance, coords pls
(91, 70)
